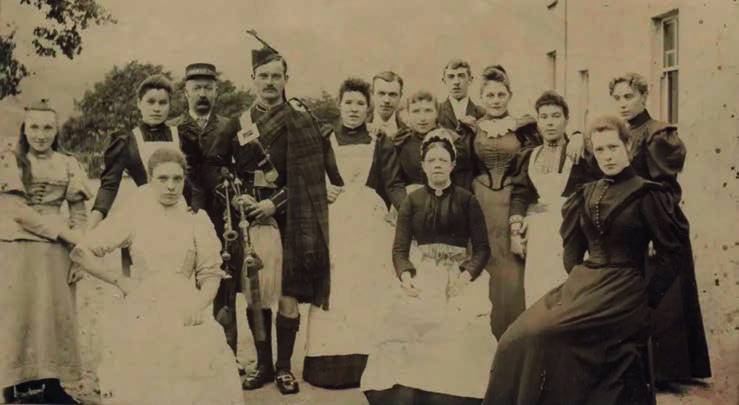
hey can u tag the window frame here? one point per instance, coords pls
(669, 106)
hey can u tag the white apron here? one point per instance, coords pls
(146, 149)
(544, 268)
(149, 356)
(431, 342)
(361, 267)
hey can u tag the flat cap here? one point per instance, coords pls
(200, 70)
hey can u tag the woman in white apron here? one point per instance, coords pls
(162, 344)
(544, 178)
(129, 150)
(338, 340)
(435, 341)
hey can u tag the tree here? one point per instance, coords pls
(65, 20)
(110, 106)
(325, 108)
(231, 101)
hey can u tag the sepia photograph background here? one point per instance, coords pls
(687, 49)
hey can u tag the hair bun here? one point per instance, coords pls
(441, 136)
(495, 72)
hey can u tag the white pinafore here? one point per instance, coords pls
(544, 268)
(146, 149)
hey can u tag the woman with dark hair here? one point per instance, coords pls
(38, 327)
(583, 342)
(658, 154)
(339, 339)
(433, 336)
(129, 150)
(499, 137)
(542, 178)
(162, 348)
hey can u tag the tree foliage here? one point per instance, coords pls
(64, 21)
(111, 105)
(325, 108)
(11, 71)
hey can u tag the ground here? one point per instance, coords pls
(92, 296)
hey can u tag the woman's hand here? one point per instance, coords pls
(198, 310)
(518, 238)
(576, 147)
(457, 286)
(75, 274)
(125, 285)
(651, 251)
(406, 283)
(470, 121)
(94, 219)
(333, 192)
(73, 237)
(195, 316)
(518, 245)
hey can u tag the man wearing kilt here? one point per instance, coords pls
(291, 194)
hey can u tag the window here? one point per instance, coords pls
(584, 97)
(552, 57)
(667, 28)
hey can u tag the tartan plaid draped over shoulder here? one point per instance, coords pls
(306, 239)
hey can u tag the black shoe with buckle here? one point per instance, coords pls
(256, 378)
(286, 382)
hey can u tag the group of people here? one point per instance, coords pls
(425, 246)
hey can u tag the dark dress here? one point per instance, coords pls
(429, 339)
(582, 342)
(680, 347)
(494, 154)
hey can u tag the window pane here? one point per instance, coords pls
(669, 33)
(672, 92)
(670, 59)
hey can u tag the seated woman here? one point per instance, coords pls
(38, 324)
(435, 341)
(163, 347)
(542, 178)
(582, 342)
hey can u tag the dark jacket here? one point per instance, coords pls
(122, 154)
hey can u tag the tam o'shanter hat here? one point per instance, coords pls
(264, 55)
(40, 105)
(194, 70)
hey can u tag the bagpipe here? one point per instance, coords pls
(236, 198)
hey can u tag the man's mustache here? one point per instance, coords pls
(203, 101)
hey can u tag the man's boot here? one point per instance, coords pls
(287, 328)
(264, 372)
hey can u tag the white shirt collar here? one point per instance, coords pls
(390, 126)
(459, 106)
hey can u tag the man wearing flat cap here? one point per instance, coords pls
(293, 192)
(206, 141)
